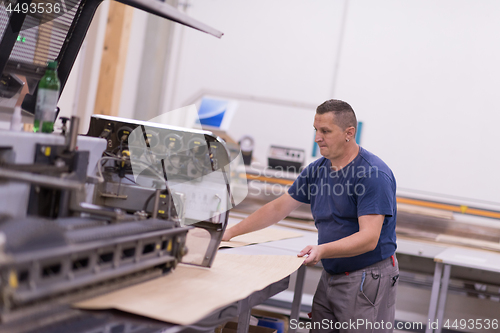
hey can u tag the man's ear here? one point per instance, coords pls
(350, 132)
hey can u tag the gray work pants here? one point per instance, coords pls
(359, 302)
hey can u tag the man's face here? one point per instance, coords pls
(330, 138)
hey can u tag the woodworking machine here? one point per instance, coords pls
(168, 173)
(84, 215)
(153, 195)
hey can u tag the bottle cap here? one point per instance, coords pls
(52, 64)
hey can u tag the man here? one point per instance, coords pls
(353, 201)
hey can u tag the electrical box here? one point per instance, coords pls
(290, 159)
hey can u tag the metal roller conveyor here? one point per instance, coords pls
(44, 259)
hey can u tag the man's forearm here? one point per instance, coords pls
(363, 241)
(350, 246)
(265, 216)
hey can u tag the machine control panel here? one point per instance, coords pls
(283, 157)
(174, 152)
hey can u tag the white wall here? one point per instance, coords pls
(279, 50)
(423, 77)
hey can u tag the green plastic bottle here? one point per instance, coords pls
(46, 100)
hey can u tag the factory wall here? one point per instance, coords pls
(277, 58)
(422, 76)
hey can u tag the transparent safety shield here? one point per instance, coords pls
(199, 172)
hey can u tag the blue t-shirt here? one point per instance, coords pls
(365, 186)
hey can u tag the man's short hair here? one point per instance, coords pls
(343, 113)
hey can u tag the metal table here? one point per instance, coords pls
(444, 257)
(460, 257)
(65, 319)
(290, 246)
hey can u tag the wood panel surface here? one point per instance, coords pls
(190, 293)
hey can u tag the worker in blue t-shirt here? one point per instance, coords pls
(353, 201)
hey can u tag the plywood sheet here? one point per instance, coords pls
(114, 58)
(190, 293)
(302, 225)
(413, 209)
(468, 242)
(260, 236)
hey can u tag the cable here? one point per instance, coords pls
(165, 191)
(197, 163)
(132, 162)
(156, 173)
(133, 181)
(169, 159)
(147, 201)
(99, 166)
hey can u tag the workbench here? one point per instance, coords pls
(154, 300)
(443, 256)
(86, 321)
(445, 260)
(80, 321)
(291, 246)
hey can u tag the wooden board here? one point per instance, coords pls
(302, 225)
(413, 209)
(114, 58)
(190, 293)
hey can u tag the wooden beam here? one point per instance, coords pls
(113, 60)
(43, 41)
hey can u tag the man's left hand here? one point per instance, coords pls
(313, 253)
